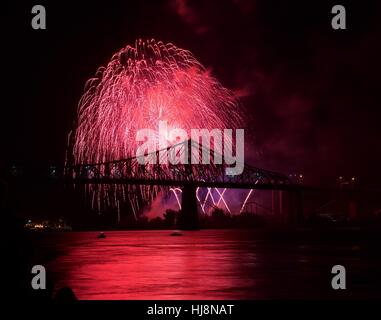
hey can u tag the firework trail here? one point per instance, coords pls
(140, 86)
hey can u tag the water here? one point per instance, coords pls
(207, 264)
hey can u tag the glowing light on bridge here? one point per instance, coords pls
(245, 201)
(204, 202)
(175, 191)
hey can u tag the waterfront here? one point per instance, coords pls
(210, 264)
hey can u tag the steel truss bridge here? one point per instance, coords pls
(157, 171)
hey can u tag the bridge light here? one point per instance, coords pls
(52, 170)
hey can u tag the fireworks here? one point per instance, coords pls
(140, 86)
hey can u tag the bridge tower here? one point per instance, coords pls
(189, 211)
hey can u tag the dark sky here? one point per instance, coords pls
(311, 93)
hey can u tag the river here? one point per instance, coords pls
(207, 264)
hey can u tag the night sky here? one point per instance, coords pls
(311, 93)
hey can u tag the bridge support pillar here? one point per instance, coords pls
(189, 211)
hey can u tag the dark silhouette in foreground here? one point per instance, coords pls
(18, 259)
(65, 295)
(101, 235)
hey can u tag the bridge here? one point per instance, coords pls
(155, 171)
(164, 173)
(130, 181)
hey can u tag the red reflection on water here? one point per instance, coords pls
(206, 264)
